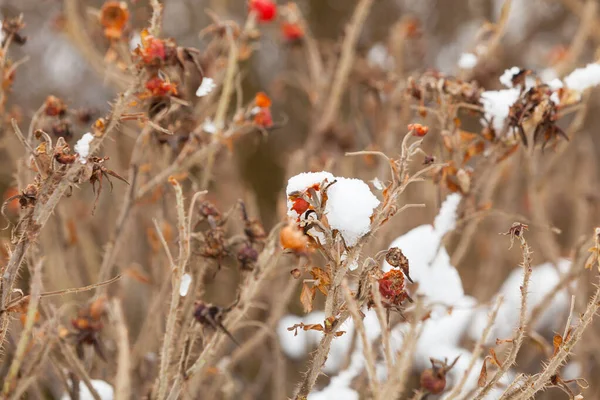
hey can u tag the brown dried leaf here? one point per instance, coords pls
(305, 327)
(307, 296)
(483, 374)
(495, 359)
(323, 279)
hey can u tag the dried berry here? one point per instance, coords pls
(433, 379)
(247, 256)
(392, 289)
(418, 130)
(54, 107)
(292, 238)
(292, 32)
(265, 10)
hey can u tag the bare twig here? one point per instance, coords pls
(332, 104)
(178, 270)
(366, 343)
(32, 309)
(123, 378)
(517, 340)
(398, 376)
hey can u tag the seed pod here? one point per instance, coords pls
(396, 258)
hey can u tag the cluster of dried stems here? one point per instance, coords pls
(139, 333)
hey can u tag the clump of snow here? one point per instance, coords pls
(349, 208)
(105, 391)
(507, 76)
(209, 126)
(82, 147)
(207, 86)
(584, 78)
(305, 180)
(135, 41)
(445, 221)
(544, 278)
(377, 184)
(184, 286)
(496, 105)
(555, 84)
(467, 61)
(353, 263)
(350, 203)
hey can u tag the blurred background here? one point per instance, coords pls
(539, 35)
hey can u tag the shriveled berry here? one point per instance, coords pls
(391, 287)
(247, 256)
(433, 381)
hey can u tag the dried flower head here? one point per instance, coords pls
(516, 231)
(88, 326)
(212, 316)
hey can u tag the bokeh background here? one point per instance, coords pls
(539, 34)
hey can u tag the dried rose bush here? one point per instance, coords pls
(290, 200)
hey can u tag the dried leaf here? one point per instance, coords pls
(307, 296)
(495, 359)
(473, 149)
(305, 327)
(98, 307)
(323, 279)
(483, 374)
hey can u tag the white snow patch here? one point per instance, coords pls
(544, 278)
(82, 147)
(496, 105)
(349, 208)
(207, 86)
(184, 286)
(105, 391)
(467, 61)
(584, 78)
